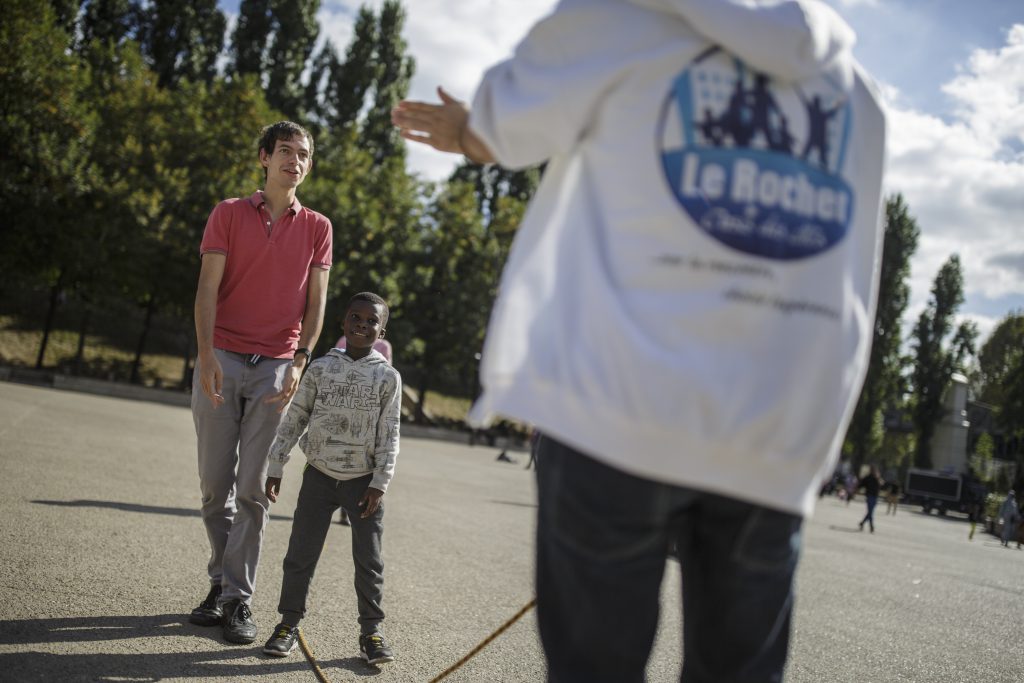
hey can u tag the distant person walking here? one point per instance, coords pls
(872, 484)
(892, 498)
(1010, 514)
(259, 309)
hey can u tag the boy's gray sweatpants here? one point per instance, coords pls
(234, 443)
(319, 498)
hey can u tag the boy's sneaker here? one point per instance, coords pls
(209, 612)
(374, 649)
(283, 641)
(238, 626)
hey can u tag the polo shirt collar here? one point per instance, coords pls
(256, 199)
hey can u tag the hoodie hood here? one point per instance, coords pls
(794, 39)
(374, 356)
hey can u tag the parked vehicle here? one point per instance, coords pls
(942, 491)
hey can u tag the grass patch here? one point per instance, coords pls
(20, 347)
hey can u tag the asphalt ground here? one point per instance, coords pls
(103, 555)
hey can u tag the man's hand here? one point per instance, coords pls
(291, 383)
(273, 488)
(442, 126)
(211, 378)
(370, 501)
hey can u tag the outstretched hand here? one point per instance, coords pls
(441, 126)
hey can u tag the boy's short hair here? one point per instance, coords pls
(373, 299)
(282, 130)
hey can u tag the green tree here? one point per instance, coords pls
(458, 283)
(394, 72)
(883, 381)
(45, 171)
(66, 16)
(181, 39)
(337, 90)
(981, 460)
(107, 22)
(935, 360)
(997, 358)
(295, 34)
(1000, 376)
(251, 37)
(274, 40)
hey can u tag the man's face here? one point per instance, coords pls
(289, 163)
(364, 322)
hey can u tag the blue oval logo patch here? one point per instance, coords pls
(754, 163)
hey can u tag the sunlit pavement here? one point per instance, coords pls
(104, 555)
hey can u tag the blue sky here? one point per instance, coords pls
(952, 77)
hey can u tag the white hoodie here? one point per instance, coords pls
(345, 417)
(690, 296)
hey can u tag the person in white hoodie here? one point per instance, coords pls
(347, 412)
(686, 311)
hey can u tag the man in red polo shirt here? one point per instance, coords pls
(259, 310)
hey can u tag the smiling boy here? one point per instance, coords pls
(346, 412)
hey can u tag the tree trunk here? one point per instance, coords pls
(186, 370)
(55, 295)
(923, 454)
(137, 363)
(83, 329)
(421, 417)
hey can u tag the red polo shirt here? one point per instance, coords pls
(262, 295)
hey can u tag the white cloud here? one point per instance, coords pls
(962, 178)
(989, 92)
(453, 43)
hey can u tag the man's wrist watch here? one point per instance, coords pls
(303, 351)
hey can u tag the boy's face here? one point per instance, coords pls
(289, 163)
(364, 324)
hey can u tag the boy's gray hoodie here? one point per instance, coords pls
(347, 414)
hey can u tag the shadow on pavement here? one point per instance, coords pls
(223, 662)
(88, 629)
(514, 503)
(141, 667)
(134, 507)
(353, 665)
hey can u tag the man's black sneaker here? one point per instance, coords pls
(374, 649)
(283, 641)
(209, 612)
(238, 625)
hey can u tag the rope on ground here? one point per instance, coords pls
(472, 653)
(320, 676)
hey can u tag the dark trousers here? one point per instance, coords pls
(869, 518)
(319, 497)
(603, 538)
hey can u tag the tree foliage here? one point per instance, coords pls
(883, 383)
(1000, 374)
(337, 92)
(182, 39)
(937, 355)
(127, 134)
